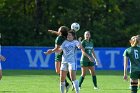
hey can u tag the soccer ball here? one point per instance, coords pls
(75, 26)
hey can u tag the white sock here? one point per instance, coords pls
(76, 85)
(62, 87)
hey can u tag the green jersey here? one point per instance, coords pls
(59, 40)
(133, 53)
(88, 46)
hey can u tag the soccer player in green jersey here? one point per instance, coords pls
(139, 77)
(88, 63)
(62, 34)
(133, 54)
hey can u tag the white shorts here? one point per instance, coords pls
(0, 66)
(68, 66)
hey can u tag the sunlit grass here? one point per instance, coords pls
(46, 81)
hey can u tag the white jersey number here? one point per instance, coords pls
(136, 54)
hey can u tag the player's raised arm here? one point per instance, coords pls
(53, 32)
(56, 49)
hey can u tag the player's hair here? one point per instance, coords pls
(138, 39)
(90, 35)
(73, 34)
(138, 36)
(64, 31)
(87, 32)
(134, 40)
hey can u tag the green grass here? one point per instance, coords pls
(46, 81)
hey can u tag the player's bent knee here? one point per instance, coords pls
(58, 72)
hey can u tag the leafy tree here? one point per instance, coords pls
(111, 22)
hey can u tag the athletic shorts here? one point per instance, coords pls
(0, 66)
(135, 75)
(68, 66)
(87, 64)
(58, 58)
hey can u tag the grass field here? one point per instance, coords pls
(46, 81)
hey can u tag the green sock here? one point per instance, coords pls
(94, 80)
(66, 83)
(134, 89)
(81, 79)
(68, 75)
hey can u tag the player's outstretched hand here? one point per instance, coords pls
(53, 32)
(2, 58)
(80, 39)
(48, 52)
(96, 63)
(50, 30)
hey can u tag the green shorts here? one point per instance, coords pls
(87, 64)
(58, 58)
(135, 75)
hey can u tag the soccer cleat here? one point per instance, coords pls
(79, 88)
(96, 88)
(129, 87)
(67, 88)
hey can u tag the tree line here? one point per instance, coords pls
(111, 22)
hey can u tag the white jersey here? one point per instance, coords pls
(69, 51)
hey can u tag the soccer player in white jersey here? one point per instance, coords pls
(69, 61)
(2, 58)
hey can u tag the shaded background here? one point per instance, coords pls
(111, 22)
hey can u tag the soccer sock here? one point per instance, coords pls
(94, 80)
(62, 87)
(76, 85)
(66, 83)
(134, 89)
(81, 79)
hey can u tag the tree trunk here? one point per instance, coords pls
(38, 16)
